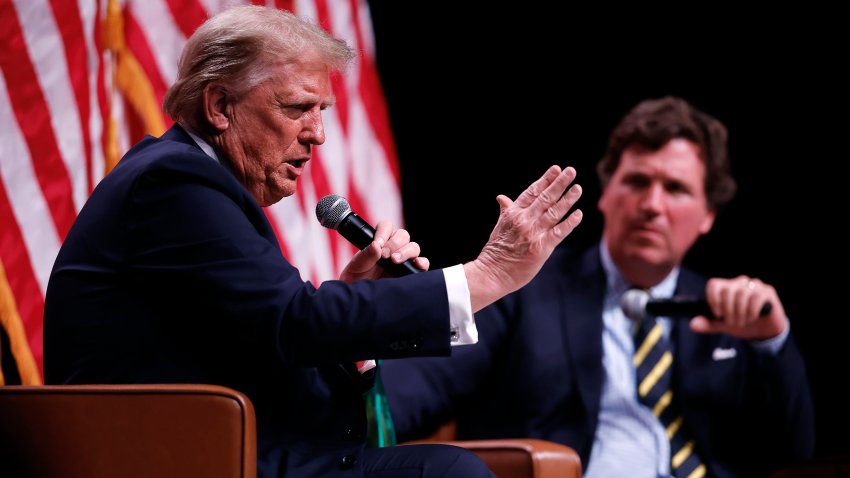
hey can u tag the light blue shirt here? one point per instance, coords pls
(630, 440)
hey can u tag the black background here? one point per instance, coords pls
(482, 99)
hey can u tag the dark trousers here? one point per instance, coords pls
(425, 461)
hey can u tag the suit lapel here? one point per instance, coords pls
(582, 309)
(687, 346)
(690, 354)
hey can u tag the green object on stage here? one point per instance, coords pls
(380, 431)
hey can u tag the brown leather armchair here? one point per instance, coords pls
(525, 457)
(131, 431)
(515, 457)
(166, 431)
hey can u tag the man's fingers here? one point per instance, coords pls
(532, 192)
(565, 227)
(398, 240)
(557, 211)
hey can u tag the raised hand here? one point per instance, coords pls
(525, 235)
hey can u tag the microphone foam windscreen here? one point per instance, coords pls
(331, 210)
(633, 304)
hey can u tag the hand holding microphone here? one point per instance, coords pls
(742, 307)
(638, 305)
(334, 212)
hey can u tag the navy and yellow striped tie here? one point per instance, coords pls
(653, 362)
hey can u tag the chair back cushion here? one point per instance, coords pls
(128, 431)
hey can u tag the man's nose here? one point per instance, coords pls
(653, 198)
(313, 129)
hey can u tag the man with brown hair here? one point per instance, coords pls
(559, 360)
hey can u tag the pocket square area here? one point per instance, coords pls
(723, 354)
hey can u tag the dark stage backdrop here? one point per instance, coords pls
(482, 102)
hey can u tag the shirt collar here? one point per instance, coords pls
(205, 147)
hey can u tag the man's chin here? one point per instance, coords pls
(277, 192)
(652, 256)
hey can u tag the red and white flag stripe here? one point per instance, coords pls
(83, 80)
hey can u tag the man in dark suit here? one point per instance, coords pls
(172, 273)
(557, 359)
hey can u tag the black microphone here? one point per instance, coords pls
(334, 212)
(637, 305)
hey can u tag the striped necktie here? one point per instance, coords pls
(653, 362)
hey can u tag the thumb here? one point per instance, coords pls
(367, 257)
(701, 325)
(504, 202)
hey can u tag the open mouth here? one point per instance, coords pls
(296, 165)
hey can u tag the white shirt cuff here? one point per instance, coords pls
(460, 308)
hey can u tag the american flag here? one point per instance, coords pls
(83, 80)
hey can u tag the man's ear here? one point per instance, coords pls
(215, 103)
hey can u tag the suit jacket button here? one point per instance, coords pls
(348, 461)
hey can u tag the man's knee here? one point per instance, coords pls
(458, 462)
(423, 461)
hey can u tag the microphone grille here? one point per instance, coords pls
(634, 303)
(331, 210)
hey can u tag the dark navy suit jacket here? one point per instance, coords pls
(537, 371)
(172, 273)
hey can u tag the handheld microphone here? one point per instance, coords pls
(334, 212)
(637, 305)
